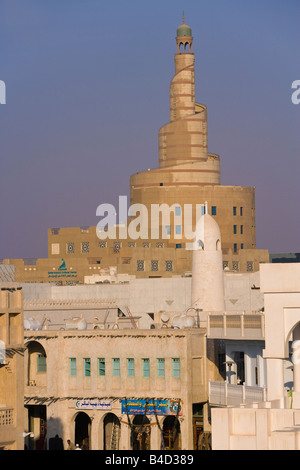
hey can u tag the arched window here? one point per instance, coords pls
(36, 364)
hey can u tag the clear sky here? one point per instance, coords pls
(87, 89)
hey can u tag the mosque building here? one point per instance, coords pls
(188, 176)
(154, 344)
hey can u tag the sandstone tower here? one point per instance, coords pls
(188, 173)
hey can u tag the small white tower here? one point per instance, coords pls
(207, 270)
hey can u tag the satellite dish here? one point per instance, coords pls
(165, 317)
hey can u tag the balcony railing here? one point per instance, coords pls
(6, 416)
(225, 394)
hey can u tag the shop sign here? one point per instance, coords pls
(151, 407)
(93, 405)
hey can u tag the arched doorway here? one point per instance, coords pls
(171, 433)
(111, 432)
(83, 430)
(36, 364)
(140, 433)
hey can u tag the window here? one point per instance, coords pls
(154, 265)
(87, 367)
(85, 247)
(169, 265)
(235, 247)
(242, 246)
(241, 211)
(41, 363)
(117, 247)
(160, 367)
(250, 266)
(234, 210)
(101, 366)
(202, 210)
(242, 229)
(70, 248)
(177, 210)
(178, 245)
(130, 367)
(168, 229)
(178, 229)
(213, 210)
(235, 229)
(140, 265)
(235, 265)
(72, 366)
(176, 367)
(55, 248)
(116, 367)
(146, 367)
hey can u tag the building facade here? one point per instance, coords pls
(188, 176)
(272, 423)
(11, 367)
(129, 389)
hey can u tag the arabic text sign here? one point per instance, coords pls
(159, 407)
(93, 405)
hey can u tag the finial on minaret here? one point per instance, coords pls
(183, 20)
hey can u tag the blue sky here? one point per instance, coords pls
(87, 86)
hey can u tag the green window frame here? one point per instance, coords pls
(116, 367)
(101, 366)
(130, 367)
(160, 367)
(146, 367)
(176, 366)
(41, 363)
(87, 367)
(72, 366)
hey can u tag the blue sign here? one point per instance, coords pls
(151, 407)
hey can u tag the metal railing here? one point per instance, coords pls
(225, 394)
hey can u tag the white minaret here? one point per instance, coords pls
(207, 270)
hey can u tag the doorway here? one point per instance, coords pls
(111, 432)
(171, 433)
(83, 430)
(140, 433)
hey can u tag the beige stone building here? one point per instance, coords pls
(272, 423)
(11, 367)
(117, 389)
(188, 175)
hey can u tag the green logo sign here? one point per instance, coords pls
(62, 271)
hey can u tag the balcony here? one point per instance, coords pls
(225, 394)
(243, 325)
